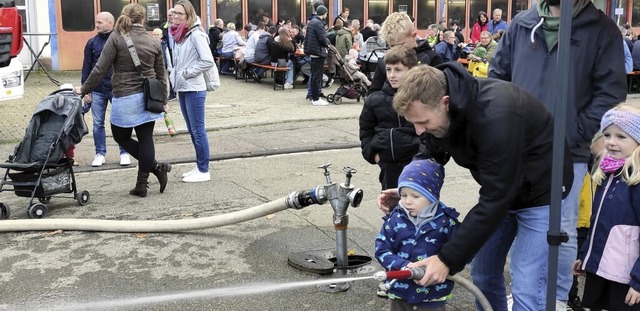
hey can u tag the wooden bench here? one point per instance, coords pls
(633, 82)
(276, 71)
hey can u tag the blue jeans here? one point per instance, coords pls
(98, 111)
(226, 63)
(524, 232)
(568, 251)
(192, 107)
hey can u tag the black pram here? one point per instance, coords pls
(39, 167)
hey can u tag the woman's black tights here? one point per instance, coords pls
(143, 149)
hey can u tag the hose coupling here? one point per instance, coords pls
(302, 199)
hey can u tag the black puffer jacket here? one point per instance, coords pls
(425, 55)
(316, 42)
(504, 136)
(384, 132)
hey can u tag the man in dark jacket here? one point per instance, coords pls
(102, 94)
(215, 35)
(527, 55)
(263, 52)
(504, 136)
(398, 29)
(315, 45)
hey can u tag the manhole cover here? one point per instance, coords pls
(310, 263)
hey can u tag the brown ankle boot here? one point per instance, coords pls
(161, 170)
(141, 185)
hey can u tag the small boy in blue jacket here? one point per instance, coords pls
(415, 230)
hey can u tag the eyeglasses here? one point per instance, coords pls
(179, 13)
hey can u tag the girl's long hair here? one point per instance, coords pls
(486, 17)
(131, 14)
(630, 172)
(285, 40)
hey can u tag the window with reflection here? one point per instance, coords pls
(156, 13)
(230, 11)
(426, 13)
(289, 10)
(356, 9)
(635, 14)
(257, 9)
(502, 5)
(309, 10)
(403, 6)
(77, 15)
(378, 11)
(474, 9)
(456, 11)
(113, 7)
(621, 19)
(518, 6)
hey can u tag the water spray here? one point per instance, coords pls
(417, 273)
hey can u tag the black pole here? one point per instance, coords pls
(554, 236)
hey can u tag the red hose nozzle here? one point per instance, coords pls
(415, 273)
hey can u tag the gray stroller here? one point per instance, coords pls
(39, 167)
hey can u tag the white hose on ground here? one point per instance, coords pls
(482, 300)
(146, 226)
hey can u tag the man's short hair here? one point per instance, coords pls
(396, 24)
(486, 32)
(272, 30)
(422, 83)
(261, 25)
(220, 22)
(448, 34)
(497, 10)
(433, 27)
(399, 54)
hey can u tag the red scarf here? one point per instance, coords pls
(178, 31)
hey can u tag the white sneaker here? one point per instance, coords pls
(124, 159)
(98, 160)
(319, 102)
(191, 172)
(288, 86)
(197, 177)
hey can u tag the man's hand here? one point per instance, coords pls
(388, 199)
(435, 270)
(77, 89)
(87, 98)
(576, 268)
(633, 297)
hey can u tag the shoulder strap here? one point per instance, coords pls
(134, 54)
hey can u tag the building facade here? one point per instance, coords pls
(64, 26)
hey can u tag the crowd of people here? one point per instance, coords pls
(424, 108)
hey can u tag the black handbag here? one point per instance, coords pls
(154, 91)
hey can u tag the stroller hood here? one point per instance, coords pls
(56, 122)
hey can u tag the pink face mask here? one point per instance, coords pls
(610, 165)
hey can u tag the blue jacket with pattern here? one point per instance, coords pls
(401, 242)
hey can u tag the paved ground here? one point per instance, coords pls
(265, 144)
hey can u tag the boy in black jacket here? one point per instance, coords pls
(387, 139)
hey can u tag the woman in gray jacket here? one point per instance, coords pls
(127, 108)
(192, 57)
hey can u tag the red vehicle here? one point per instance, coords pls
(10, 32)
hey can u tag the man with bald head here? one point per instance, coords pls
(102, 94)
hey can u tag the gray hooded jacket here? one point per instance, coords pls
(597, 80)
(191, 58)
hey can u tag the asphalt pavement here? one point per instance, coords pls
(264, 145)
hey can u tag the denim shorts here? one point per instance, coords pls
(128, 111)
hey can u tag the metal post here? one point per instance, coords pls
(554, 235)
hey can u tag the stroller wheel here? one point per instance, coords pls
(330, 98)
(4, 211)
(337, 99)
(44, 200)
(83, 198)
(37, 210)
